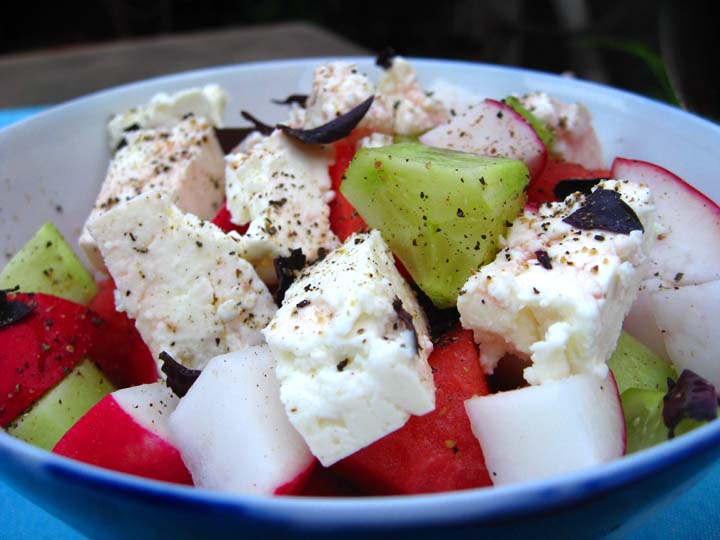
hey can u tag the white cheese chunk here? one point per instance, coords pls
(166, 110)
(281, 189)
(182, 280)
(411, 108)
(401, 106)
(350, 368)
(567, 318)
(184, 161)
(576, 140)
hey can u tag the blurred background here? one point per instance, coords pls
(66, 49)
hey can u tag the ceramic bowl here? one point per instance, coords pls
(51, 167)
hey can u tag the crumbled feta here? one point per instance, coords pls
(351, 369)
(166, 110)
(566, 318)
(576, 140)
(181, 279)
(412, 109)
(184, 161)
(281, 189)
(375, 140)
(337, 87)
(400, 106)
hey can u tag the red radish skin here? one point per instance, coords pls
(124, 357)
(107, 436)
(492, 129)
(40, 349)
(435, 452)
(688, 251)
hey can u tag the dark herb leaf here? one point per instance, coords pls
(300, 99)
(604, 209)
(406, 319)
(332, 131)
(440, 321)
(385, 58)
(691, 397)
(286, 270)
(11, 311)
(229, 138)
(544, 259)
(132, 127)
(262, 127)
(179, 378)
(572, 185)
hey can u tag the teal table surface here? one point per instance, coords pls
(694, 515)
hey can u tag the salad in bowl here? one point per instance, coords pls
(374, 284)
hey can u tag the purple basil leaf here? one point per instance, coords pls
(229, 138)
(12, 311)
(604, 209)
(385, 58)
(300, 99)
(287, 269)
(690, 397)
(179, 378)
(334, 130)
(406, 319)
(258, 125)
(572, 185)
(440, 321)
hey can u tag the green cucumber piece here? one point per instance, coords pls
(47, 264)
(48, 419)
(636, 366)
(544, 132)
(440, 211)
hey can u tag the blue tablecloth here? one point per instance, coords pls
(695, 515)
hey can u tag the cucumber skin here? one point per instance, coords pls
(433, 207)
(47, 264)
(49, 418)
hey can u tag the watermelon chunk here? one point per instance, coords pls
(222, 221)
(121, 353)
(540, 189)
(435, 452)
(344, 220)
(37, 351)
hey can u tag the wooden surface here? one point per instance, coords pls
(52, 76)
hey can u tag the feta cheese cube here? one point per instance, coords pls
(401, 106)
(166, 110)
(576, 140)
(351, 344)
(184, 161)
(181, 279)
(281, 189)
(556, 293)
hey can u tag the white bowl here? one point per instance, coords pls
(51, 167)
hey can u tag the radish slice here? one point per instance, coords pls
(491, 129)
(232, 430)
(553, 428)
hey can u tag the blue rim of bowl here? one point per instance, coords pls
(482, 504)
